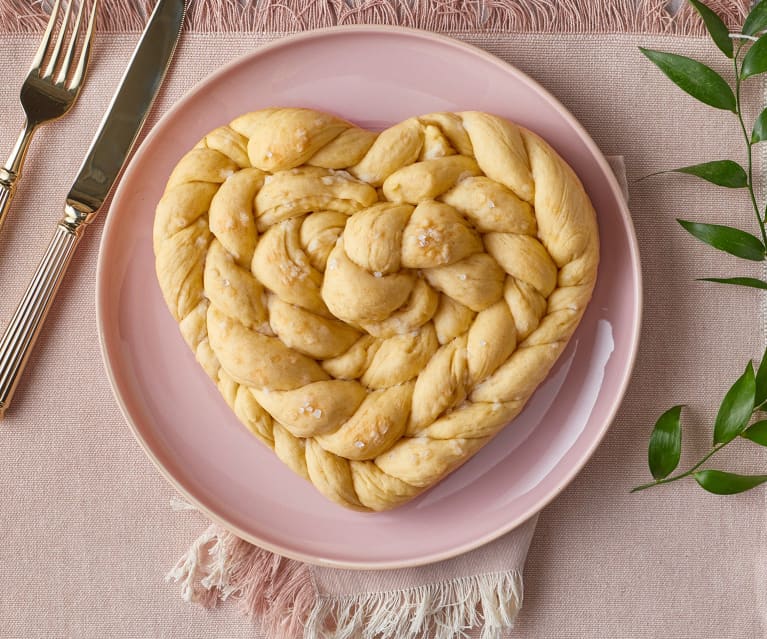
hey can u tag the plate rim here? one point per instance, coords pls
(634, 258)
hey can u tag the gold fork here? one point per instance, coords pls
(43, 97)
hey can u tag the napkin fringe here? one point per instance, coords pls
(444, 610)
(452, 16)
(219, 566)
(281, 594)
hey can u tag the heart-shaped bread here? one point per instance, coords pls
(375, 306)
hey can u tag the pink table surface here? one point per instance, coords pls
(87, 530)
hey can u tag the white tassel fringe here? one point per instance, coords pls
(444, 610)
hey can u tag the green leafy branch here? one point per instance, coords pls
(748, 395)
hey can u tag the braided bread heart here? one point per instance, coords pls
(375, 307)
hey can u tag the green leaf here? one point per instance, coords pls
(718, 30)
(755, 61)
(727, 239)
(756, 21)
(722, 483)
(695, 78)
(736, 408)
(757, 432)
(751, 282)
(665, 444)
(720, 172)
(761, 382)
(759, 134)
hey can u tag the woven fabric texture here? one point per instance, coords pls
(87, 530)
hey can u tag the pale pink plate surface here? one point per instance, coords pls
(374, 77)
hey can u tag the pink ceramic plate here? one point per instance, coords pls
(373, 76)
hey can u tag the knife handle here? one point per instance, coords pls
(19, 338)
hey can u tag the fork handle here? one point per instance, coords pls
(9, 174)
(19, 338)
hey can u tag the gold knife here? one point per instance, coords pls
(108, 152)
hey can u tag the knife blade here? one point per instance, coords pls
(129, 108)
(108, 152)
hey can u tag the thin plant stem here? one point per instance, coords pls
(686, 473)
(749, 146)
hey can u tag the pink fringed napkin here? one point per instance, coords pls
(480, 589)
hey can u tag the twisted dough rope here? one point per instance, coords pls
(375, 307)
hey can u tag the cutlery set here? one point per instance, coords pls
(49, 92)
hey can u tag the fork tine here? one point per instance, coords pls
(62, 76)
(38, 60)
(82, 63)
(59, 41)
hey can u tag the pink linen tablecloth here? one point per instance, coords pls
(88, 534)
